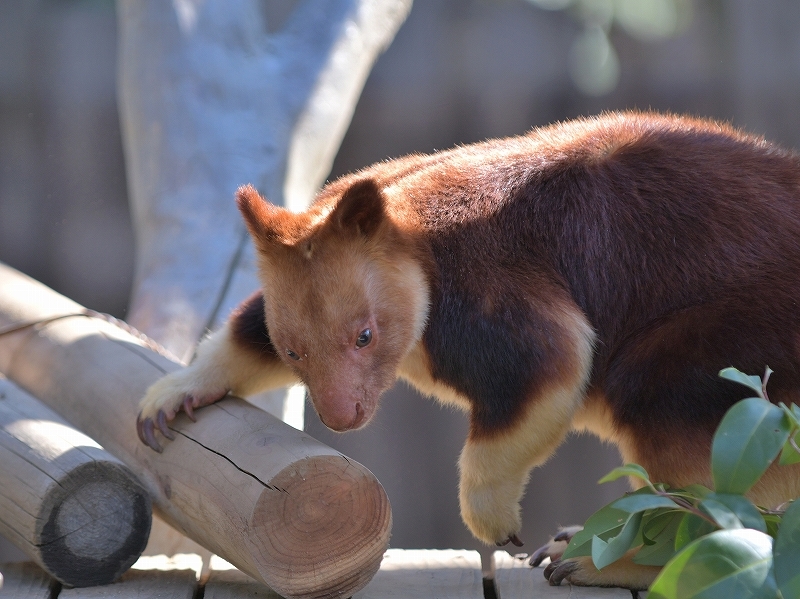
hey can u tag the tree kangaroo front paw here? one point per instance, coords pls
(166, 398)
(555, 547)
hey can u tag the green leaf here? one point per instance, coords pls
(626, 470)
(656, 524)
(698, 491)
(605, 523)
(747, 441)
(742, 508)
(607, 552)
(789, 453)
(721, 514)
(722, 565)
(658, 533)
(737, 376)
(792, 413)
(642, 502)
(773, 524)
(691, 528)
(787, 552)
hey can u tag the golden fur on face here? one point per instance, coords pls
(326, 283)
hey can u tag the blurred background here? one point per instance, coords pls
(458, 71)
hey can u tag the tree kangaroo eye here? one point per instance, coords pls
(364, 338)
(292, 355)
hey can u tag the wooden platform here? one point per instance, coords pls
(404, 574)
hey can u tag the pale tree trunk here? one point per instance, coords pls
(214, 94)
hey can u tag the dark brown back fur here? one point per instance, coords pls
(679, 239)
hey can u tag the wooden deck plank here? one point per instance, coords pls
(151, 576)
(141, 584)
(224, 581)
(426, 573)
(429, 573)
(234, 584)
(404, 574)
(25, 580)
(515, 579)
(407, 574)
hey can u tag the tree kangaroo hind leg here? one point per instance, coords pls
(664, 386)
(497, 459)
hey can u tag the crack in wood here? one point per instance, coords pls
(227, 459)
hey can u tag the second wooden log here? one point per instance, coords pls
(70, 506)
(281, 506)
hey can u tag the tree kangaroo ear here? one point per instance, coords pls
(259, 216)
(268, 224)
(360, 209)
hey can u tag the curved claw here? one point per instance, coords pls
(538, 556)
(565, 535)
(161, 420)
(555, 548)
(513, 539)
(145, 428)
(557, 571)
(188, 407)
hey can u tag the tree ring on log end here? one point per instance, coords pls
(94, 524)
(322, 526)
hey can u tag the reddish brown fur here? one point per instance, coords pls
(677, 238)
(603, 270)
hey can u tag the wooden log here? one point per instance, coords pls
(279, 505)
(73, 508)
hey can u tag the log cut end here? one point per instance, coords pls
(94, 524)
(322, 528)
